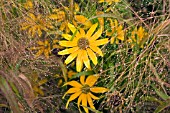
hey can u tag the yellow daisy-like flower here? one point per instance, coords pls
(35, 24)
(108, 1)
(116, 31)
(45, 47)
(84, 91)
(138, 36)
(82, 46)
(37, 83)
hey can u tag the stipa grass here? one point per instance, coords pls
(131, 57)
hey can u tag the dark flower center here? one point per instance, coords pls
(85, 89)
(83, 43)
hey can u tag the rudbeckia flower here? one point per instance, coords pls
(62, 17)
(37, 83)
(84, 91)
(35, 24)
(138, 36)
(45, 47)
(116, 32)
(83, 46)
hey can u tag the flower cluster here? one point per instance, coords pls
(81, 40)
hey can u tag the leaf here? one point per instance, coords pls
(27, 89)
(82, 73)
(152, 99)
(160, 93)
(9, 94)
(164, 105)
(3, 105)
(93, 110)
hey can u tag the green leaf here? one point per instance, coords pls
(160, 93)
(164, 105)
(3, 105)
(94, 110)
(9, 94)
(152, 99)
(82, 73)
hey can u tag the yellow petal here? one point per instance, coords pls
(82, 32)
(80, 99)
(41, 82)
(71, 73)
(74, 84)
(68, 43)
(35, 48)
(108, 33)
(92, 96)
(32, 16)
(80, 18)
(86, 59)
(39, 53)
(98, 89)
(91, 80)
(72, 97)
(82, 79)
(62, 26)
(46, 53)
(84, 103)
(71, 90)
(39, 32)
(90, 101)
(115, 23)
(92, 56)
(71, 57)
(96, 35)
(79, 61)
(68, 51)
(67, 36)
(100, 42)
(76, 7)
(91, 30)
(112, 40)
(96, 49)
(53, 16)
(74, 30)
(25, 27)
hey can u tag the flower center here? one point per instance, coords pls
(83, 43)
(85, 89)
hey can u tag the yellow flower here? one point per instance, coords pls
(60, 16)
(138, 36)
(45, 47)
(84, 91)
(82, 46)
(116, 32)
(108, 1)
(35, 24)
(37, 83)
